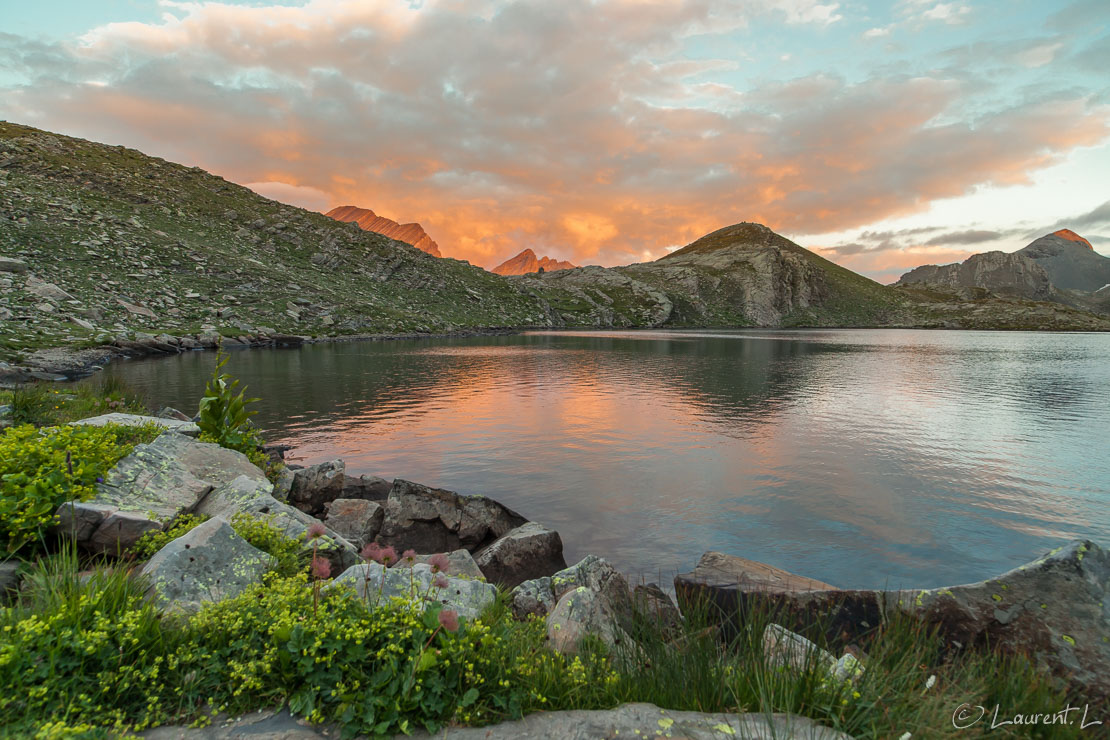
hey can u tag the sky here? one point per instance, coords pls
(882, 135)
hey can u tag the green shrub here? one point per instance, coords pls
(224, 417)
(42, 469)
(30, 405)
(289, 555)
(151, 542)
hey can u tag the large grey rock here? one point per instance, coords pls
(11, 264)
(1055, 609)
(208, 563)
(356, 520)
(317, 485)
(460, 563)
(378, 584)
(539, 596)
(369, 487)
(583, 612)
(436, 520)
(43, 289)
(187, 428)
(652, 603)
(11, 574)
(252, 497)
(526, 552)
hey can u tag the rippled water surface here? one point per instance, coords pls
(860, 457)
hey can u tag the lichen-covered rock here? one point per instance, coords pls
(317, 485)
(583, 612)
(526, 552)
(186, 427)
(208, 563)
(378, 584)
(356, 520)
(533, 598)
(244, 495)
(539, 596)
(459, 563)
(436, 520)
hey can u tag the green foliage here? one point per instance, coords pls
(152, 542)
(42, 469)
(289, 555)
(45, 405)
(30, 405)
(224, 417)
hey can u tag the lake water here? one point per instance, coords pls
(865, 458)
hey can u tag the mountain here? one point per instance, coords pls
(1070, 261)
(999, 272)
(526, 262)
(413, 234)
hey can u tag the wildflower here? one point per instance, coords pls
(409, 556)
(449, 618)
(371, 551)
(930, 682)
(440, 581)
(439, 562)
(316, 530)
(321, 568)
(905, 736)
(387, 555)
(99, 479)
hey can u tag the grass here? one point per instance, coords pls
(45, 404)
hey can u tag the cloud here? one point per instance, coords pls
(582, 128)
(971, 236)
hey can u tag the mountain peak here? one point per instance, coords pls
(1071, 236)
(367, 220)
(527, 262)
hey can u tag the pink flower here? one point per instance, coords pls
(388, 555)
(371, 551)
(409, 556)
(439, 562)
(321, 568)
(316, 530)
(440, 581)
(449, 618)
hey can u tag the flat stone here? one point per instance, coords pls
(46, 290)
(11, 264)
(378, 584)
(524, 553)
(209, 563)
(188, 428)
(787, 649)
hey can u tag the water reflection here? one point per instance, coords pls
(862, 458)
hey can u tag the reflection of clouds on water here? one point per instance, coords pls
(859, 457)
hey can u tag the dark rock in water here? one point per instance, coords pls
(436, 520)
(1055, 609)
(317, 485)
(526, 552)
(369, 487)
(356, 520)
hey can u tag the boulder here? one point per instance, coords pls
(46, 290)
(526, 552)
(378, 584)
(317, 485)
(539, 596)
(1055, 609)
(356, 520)
(11, 264)
(252, 497)
(583, 612)
(369, 487)
(436, 520)
(208, 563)
(187, 428)
(169, 412)
(460, 563)
(652, 603)
(11, 575)
(784, 648)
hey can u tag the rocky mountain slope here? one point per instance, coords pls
(413, 234)
(999, 272)
(527, 262)
(101, 244)
(1070, 261)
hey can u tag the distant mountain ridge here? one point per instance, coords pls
(527, 262)
(1002, 272)
(413, 234)
(1070, 261)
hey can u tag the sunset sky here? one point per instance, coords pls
(885, 135)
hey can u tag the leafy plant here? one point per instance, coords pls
(151, 542)
(289, 555)
(224, 417)
(30, 405)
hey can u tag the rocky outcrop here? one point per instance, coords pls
(209, 563)
(1069, 261)
(540, 595)
(430, 520)
(1055, 609)
(999, 272)
(526, 552)
(527, 262)
(378, 584)
(367, 220)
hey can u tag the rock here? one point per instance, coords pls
(435, 520)
(252, 497)
(583, 612)
(168, 412)
(11, 575)
(137, 310)
(49, 291)
(209, 563)
(526, 552)
(186, 427)
(316, 485)
(373, 581)
(460, 563)
(368, 487)
(11, 264)
(785, 648)
(356, 520)
(82, 323)
(540, 595)
(652, 603)
(285, 482)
